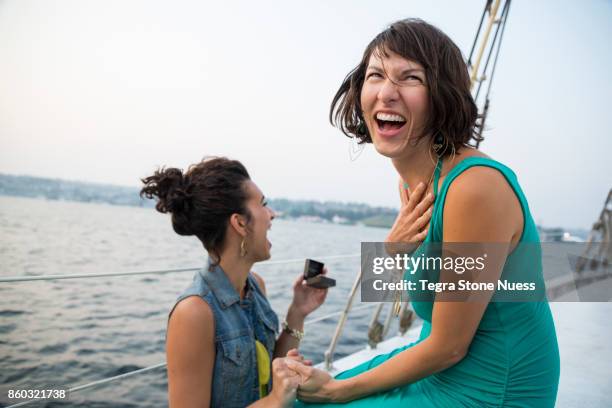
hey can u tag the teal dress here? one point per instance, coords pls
(513, 360)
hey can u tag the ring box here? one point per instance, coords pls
(313, 274)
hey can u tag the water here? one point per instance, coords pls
(71, 332)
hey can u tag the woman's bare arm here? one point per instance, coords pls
(190, 351)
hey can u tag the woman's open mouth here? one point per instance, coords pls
(389, 124)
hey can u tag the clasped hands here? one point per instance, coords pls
(293, 376)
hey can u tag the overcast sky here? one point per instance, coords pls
(105, 91)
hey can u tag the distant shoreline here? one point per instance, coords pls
(85, 192)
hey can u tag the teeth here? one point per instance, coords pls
(389, 117)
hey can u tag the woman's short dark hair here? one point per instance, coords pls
(452, 111)
(202, 199)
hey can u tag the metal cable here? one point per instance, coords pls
(112, 274)
(95, 383)
(484, 11)
(504, 17)
(494, 44)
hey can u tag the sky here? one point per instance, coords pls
(106, 91)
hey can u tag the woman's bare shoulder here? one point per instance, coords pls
(481, 184)
(481, 200)
(192, 313)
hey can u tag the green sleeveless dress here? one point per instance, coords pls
(513, 360)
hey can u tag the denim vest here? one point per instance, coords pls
(238, 323)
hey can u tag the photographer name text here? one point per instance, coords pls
(462, 285)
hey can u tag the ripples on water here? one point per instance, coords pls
(70, 332)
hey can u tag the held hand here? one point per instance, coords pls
(285, 382)
(315, 385)
(412, 222)
(307, 299)
(294, 354)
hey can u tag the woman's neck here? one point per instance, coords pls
(237, 270)
(416, 168)
(420, 166)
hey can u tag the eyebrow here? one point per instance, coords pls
(406, 71)
(263, 198)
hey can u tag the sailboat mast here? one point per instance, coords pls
(488, 48)
(485, 40)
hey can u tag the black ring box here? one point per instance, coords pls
(313, 274)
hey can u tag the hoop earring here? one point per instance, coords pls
(243, 250)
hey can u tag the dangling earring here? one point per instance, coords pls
(243, 250)
(438, 144)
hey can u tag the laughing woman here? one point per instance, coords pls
(222, 332)
(410, 97)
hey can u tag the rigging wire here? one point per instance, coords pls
(500, 26)
(484, 11)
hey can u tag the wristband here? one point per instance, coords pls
(298, 334)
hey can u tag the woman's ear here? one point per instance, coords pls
(239, 224)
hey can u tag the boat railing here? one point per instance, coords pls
(598, 250)
(21, 278)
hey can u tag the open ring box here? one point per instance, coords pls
(313, 273)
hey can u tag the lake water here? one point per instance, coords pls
(71, 332)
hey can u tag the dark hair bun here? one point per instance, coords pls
(171, 189)
(173, 192)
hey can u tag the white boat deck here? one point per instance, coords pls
(584, 333)
(368, 353)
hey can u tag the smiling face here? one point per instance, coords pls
(257, 243)
(394, 102)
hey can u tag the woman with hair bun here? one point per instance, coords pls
(410, 97)
(223, 347)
